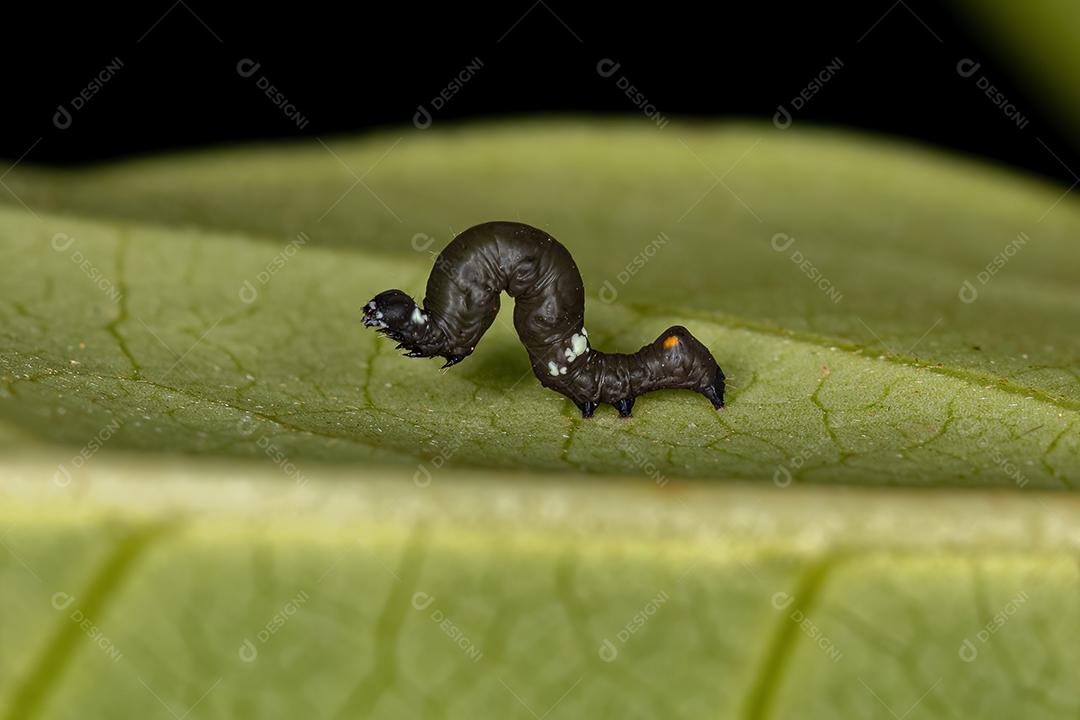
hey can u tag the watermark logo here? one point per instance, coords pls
(249, 291)
(783, 117)
(422, 477)
(423, 117)
(422, 242)
(969, 293)
(783, 476)
(967, 68)
(247, 68)
(642, 461)
(248, 651)
(607, 68)
(969, 650)
(422, 601)
(782, 601)
(62, 601)
(608, 290)
(62, 476)
(247, 426)
(608, 650)
(781, 242)
(970, 427)
(61, 242)
(63, 117)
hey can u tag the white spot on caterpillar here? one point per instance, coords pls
(584, 331)
(418, 317)
(378, 315)
(553, 368)
(562, 371)
(371, 305)
(579, 345)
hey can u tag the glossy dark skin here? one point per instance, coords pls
(462, 300)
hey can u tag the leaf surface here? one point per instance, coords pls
(227, 590)
(891, 379)
(221, 497)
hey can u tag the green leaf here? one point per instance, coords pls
(221, 497)
(232, 590)
(890, 379)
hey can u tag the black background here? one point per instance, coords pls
(372, 65)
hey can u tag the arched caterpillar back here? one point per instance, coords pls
(462, 300)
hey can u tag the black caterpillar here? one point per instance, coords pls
(462, 301)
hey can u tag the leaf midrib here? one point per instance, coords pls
(971, 377)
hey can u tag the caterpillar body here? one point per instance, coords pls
(462, 300)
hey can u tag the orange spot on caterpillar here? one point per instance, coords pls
(670, 341)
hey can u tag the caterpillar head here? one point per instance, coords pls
(396, 315)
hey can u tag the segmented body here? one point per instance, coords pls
(463, 299)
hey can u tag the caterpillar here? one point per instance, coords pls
(462, 300)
